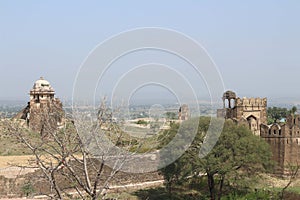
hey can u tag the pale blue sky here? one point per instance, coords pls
(255, 44)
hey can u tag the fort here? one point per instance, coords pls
(248, 111)
(43, 111)
(283, 138)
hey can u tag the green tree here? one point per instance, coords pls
(293, 110)
(142, 122)
(233, 162)
(236, 158)
(27, 189)
(176, 172)
(171, 115)
(276, 113)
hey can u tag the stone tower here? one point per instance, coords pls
(249, 111)
(43, 111)
(184, 112)
(283, 138)
(41, 92)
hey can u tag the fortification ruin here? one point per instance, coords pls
(248, 111)
(283, 138)
(43, 111)
(184, 112)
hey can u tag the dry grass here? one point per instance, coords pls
(8, 161)
(268, 181)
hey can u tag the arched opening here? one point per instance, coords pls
(232, 103)
(226, 103)
(252, 121)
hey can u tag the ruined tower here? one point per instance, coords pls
(43, 111)
(184, 112)
(249, 111)
(283, 138)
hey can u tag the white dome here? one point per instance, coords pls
(42, 85)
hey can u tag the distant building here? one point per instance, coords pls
(43, 111)
(184, 112)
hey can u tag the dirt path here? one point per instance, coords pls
(8, 166)
(112, 189)
(14, 172)
(8, 161)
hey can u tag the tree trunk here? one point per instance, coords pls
(221, 187)
(211, 186)
(170, 189)
(56, 188)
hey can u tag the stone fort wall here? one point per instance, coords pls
(283, 138)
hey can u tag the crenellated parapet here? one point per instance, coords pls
(283, 138)
(251, 111)
(249, 102)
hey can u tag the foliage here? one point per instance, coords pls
(27, 189)
(232, 164)
(257, 195)
(188, 193)
(171, 115)
(160, 193)
(142, 122)
(293, 174)
(293, 110)
(276, 113)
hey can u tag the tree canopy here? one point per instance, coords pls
(233, 162)
(277, 113)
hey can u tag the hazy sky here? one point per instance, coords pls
(255, 44)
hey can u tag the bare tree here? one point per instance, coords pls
(70, 163)
(293, 173)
